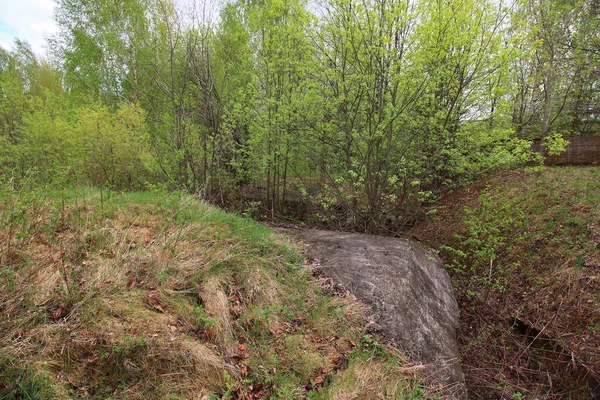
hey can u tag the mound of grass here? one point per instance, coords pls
(162, 296)
(523, 251)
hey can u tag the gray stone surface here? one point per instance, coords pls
(408, 290)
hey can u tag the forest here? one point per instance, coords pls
(127, 141)
(351, 113)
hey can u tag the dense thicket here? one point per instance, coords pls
(362, 109)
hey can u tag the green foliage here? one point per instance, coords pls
(202, 319)
(500, 225)
(489, 227)
(101, 45)
(555, 144)
(113, 145)
(493, 230)
(19, 382)
(91, 144)
(523, 246)
(363, 111)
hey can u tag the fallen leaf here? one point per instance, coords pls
(341, 362)
(132, 282)
(105, 283)
(59, 313)
(155, 301)
(153, 298)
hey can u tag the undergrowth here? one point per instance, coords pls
(162, 296)
(523, 252)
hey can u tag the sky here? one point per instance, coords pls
(28, 20)
(32, 20)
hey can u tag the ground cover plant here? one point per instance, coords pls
(522, 249)
(154, 296)
(355, 115)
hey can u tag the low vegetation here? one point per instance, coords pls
(162, 296)
(522, 249)
(349, 114)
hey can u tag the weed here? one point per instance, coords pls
(202, 319)
(159, 295)
(526, 247)
(20, 382)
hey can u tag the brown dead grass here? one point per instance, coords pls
(366, 379)
(135, 304)
(217, 306)
(549, 279)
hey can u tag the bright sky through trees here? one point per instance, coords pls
(33, 20)
(28, 20)
(371, 106)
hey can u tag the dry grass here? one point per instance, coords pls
(216, 304)
(368, 379)
(543, 273)
(144, 296)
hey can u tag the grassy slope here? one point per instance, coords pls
(150, 296)
(525, 245)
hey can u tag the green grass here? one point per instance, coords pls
(154, 295)
(19, 382)
(526, 247)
